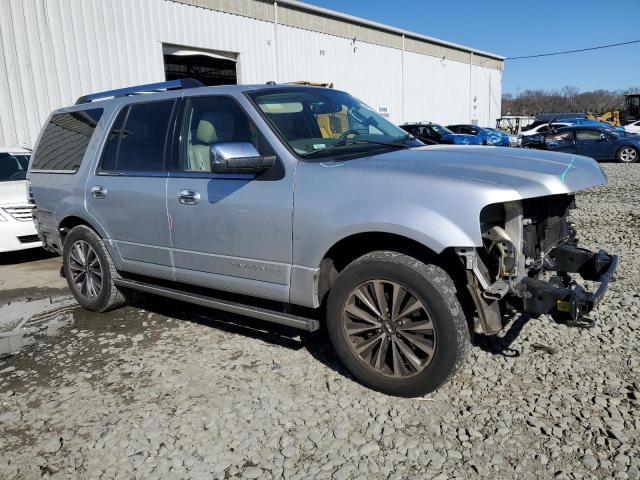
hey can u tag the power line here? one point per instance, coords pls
(573, 51)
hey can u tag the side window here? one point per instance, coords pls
(588, 135)
(543, 129)
(113, 142)
(213, 120)
(65, 140)
(138, 137)
(559, 140)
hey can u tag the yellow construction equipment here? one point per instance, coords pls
(609, 117)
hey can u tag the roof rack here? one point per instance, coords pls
(137, 89)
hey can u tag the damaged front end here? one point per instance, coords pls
(529, 252)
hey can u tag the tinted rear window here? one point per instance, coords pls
(138, 137)
(65, 140)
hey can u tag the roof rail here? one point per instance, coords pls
(147, 88)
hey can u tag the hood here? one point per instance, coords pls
(433, 194)
(13, 192)
(518, 173)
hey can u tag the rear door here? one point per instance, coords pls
(127, 195)
(229, 231)
(592, 144)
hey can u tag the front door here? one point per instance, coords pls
(594, 144)
(127, 196)
(229, 231)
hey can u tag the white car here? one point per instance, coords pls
(542, 128)
(633, 127)
(17, 230)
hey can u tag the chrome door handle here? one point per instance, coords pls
(188, 197)
(98, 191)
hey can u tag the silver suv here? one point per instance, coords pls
(300, 205)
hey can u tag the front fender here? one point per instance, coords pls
(413, 221)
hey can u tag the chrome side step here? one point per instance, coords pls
(226, 306)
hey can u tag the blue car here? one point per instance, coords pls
(591, 123)
(599, 143)
(434, 133)
(497, 137)
(485, 135)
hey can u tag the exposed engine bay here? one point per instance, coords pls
(529, 250)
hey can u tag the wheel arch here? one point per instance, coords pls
(347, 249)
(71, 221)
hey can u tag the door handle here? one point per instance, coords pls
(98, 191)
(188, 197)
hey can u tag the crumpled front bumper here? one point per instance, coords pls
(562, 297)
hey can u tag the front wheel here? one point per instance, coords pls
(396, 324)
(89, 271)
(627, 155)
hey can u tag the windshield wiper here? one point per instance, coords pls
(400, 143)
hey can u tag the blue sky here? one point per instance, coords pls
(529, 27)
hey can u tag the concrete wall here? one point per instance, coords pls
(53, 51)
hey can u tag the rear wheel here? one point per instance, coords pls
(627, 155)
(396, 324)
(89, 271)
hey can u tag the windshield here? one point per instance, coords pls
(312, 120)
(13, 167)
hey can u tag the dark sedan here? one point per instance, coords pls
(600, 143)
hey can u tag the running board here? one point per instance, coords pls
(226, 306)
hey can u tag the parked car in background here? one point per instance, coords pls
(434, 133)
(485, 136)
(542, 128)
(496, 137)
(17, 231)
(599, 143)
(633, 127)
(591, 123)
(474, 130)
(237, 198)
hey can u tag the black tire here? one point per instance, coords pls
(109, 296)
(628, 154)
(431, 286)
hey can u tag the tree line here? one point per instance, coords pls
(567, 99)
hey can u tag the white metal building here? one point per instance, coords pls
(53, 51)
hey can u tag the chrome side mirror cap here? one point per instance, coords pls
(238, 157)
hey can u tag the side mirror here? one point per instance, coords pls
(603, 137)
(238, 157)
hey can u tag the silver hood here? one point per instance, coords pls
(433, 194)
(528, 173)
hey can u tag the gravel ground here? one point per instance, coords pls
(165, 390)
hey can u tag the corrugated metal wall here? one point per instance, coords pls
(53, 51)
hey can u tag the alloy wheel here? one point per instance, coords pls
(85, 269)
(628, 155)
(389, 329)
